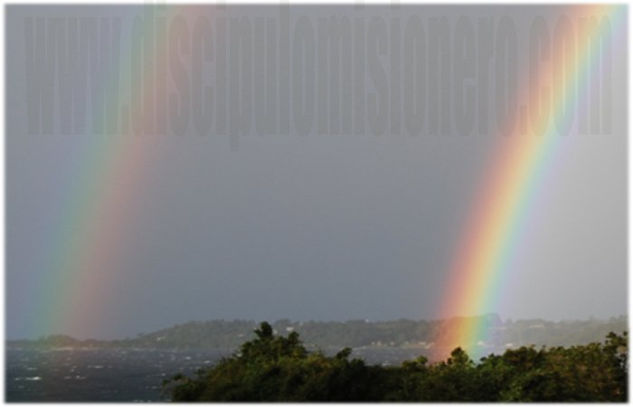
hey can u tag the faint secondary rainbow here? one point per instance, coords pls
(114, 156)
(510, 183)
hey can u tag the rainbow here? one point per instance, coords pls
(91, 234)
(113, 160)
(510, 183)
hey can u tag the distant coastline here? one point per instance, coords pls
(402, 334)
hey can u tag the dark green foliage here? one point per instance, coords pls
(277, 368)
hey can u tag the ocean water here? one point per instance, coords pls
(123, 375)
(97, 374)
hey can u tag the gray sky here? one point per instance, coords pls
(302, 226)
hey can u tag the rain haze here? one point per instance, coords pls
(109, 235)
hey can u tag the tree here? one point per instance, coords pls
(278, 368)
